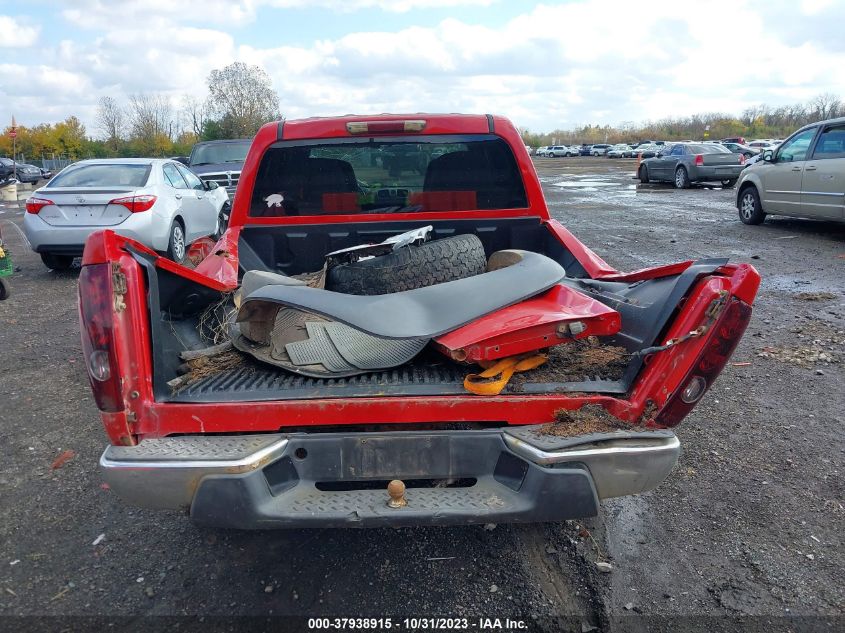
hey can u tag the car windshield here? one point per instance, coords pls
(373, 175)
(216, 153)
(102, 175)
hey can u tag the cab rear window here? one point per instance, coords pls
(387, 175)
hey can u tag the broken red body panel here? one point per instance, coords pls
(542, 321)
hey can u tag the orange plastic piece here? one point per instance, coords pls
(502, 371)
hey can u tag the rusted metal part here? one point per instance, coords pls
(118, 283)
(396, 490)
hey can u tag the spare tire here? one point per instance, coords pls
(411, 267)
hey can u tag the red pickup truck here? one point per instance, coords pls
(257, 446)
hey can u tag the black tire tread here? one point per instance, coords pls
(411, 267)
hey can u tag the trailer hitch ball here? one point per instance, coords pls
(396, 490)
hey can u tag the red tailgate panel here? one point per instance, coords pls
(530, 325)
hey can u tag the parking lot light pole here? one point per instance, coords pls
(14, 134)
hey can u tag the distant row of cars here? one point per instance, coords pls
(649, 149)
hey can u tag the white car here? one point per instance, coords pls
(619, 151)
(555, 151)
(158, 202)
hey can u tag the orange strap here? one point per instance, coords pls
(501, 372)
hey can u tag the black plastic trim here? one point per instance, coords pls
(507, 488)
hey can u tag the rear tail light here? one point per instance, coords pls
(383, 127)
(136, 203)
(722, 342)
(699, 160)
(97, 321)
(34, 205)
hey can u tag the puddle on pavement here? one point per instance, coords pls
(586, 183)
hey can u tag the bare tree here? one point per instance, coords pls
(111, 120)
(194, 112)
(149, 116)
(825, 106)
(242, 98)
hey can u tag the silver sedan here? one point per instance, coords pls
(158, 202)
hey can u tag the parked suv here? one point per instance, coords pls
(220, 161)
(561, 150)
(600, 149)
(804, 176)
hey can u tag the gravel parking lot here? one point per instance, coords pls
(750, 523)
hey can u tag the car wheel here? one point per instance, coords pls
(730, 182)
(5, 289)
(176, 247)
(57, 262)
(642, 174)
(222, 222)
(681, 178)
(750, 209)
(595, 153)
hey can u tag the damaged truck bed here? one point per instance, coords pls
(606, 362)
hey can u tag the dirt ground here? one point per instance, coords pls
(749, 524)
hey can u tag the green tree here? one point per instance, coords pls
(241, 99)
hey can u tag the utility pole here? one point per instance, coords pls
(14, 134)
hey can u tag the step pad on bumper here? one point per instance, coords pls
(194, 447)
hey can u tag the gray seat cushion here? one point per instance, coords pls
(423, 312)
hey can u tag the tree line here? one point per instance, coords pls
(759, 121)
(240, 100)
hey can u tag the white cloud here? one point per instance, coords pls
(16, 34)
(549, 67)
(106, 13)
(395, 6)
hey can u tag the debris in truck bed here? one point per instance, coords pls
(214, 350)
(205, 366)
(590, 418)
(575, 361)
(214, 322)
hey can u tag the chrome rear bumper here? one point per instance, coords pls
(333, 479)
(625, 465)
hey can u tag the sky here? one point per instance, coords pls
(545, 65)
